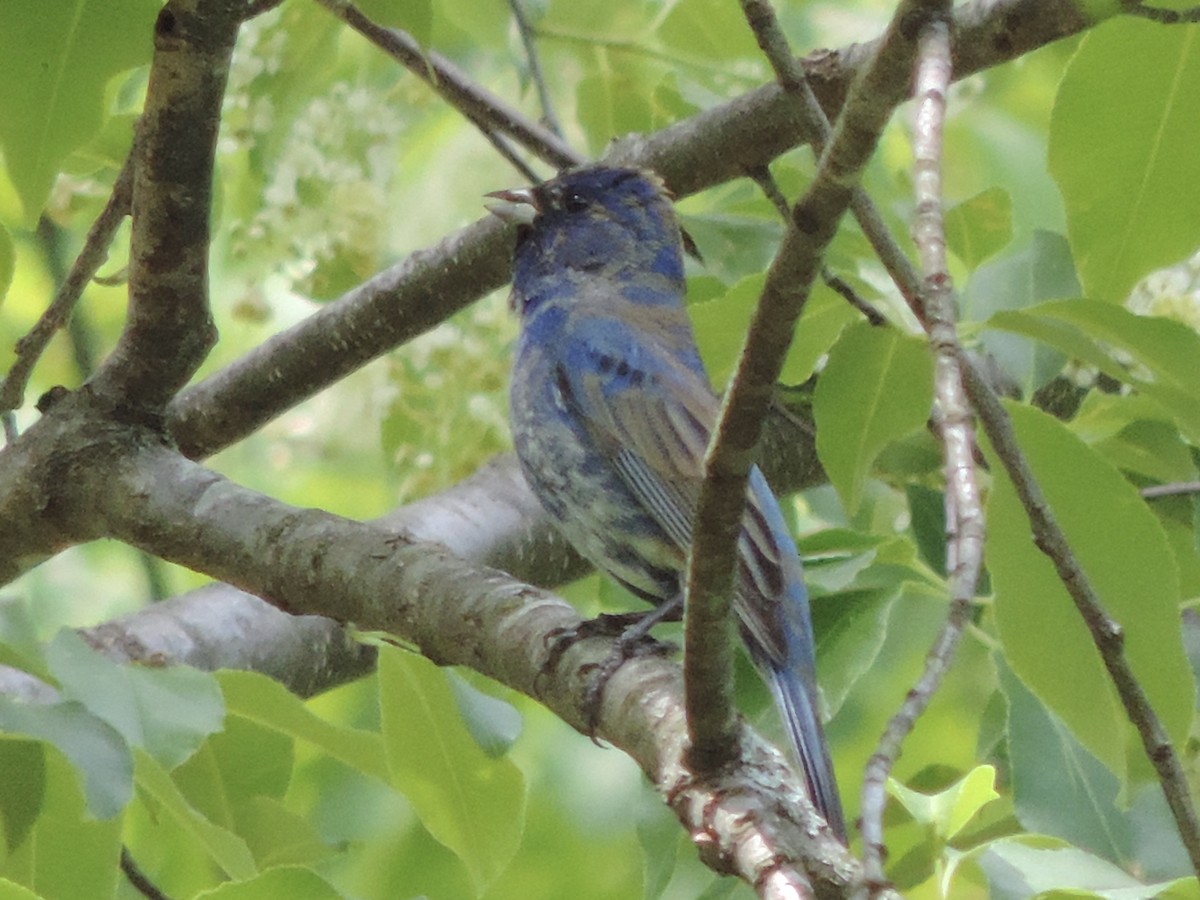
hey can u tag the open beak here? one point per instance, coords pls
(517, 206)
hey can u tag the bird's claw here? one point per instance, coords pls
(631, 631)
(633, 643)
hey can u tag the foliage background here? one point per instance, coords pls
(1071, 173)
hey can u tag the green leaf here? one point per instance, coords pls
(1058, 787)
(12, 891)
(611, 104)
(494, 724)
(980, 227)
(1124, 551)
(658, 837)
(876, 388)
(19, 644)
(68, 852)
(226, 849)
(167, 711)
(1032, 866)
(1131, 177)
(22, 787)
(277, 836)
(850, 630)
(293, 882)
(947, 812)
(712, 31)
(93, 746)
(470, 803)
(270, 704)
(55, 61)
(414, 16)
(1041, 271)
(1157, 356)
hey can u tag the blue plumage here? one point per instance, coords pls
(611, 413)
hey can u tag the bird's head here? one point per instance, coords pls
(600, 221)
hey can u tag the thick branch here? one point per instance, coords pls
(750, 820)
(712, 147)
(169, 329)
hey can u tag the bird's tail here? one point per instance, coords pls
(798, 710)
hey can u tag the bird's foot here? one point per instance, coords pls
(633, 639)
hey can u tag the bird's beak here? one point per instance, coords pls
(517, 206)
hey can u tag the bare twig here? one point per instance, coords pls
(528, 40)
(483, 108)
(1170, 490)
(843, 288)
(93, 255)
(814, 221)
(766, 181)
(137, 878)
(964, 513)
(169, 329)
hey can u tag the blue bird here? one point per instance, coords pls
(611, 412)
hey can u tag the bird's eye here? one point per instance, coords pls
(574, 202)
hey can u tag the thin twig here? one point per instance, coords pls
(1170, 490)
(481, 107)
(814, 221)
(791, 77)
(535, 66)
(964, 512)
(842, 288)
(138, 879)
(762, 176)
(93, 255)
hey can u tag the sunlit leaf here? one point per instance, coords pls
(876, 388)
(226, 849)
(1131, 177)
(980, 226)
(1155, 355)
(471, 803)
(1044, 638)
(55, 60)
(293, 882)
(270, 704)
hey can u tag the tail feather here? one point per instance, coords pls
(798, 710)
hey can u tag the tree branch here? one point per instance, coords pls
(814, 222)
(480, 106)
(169, 329)
(964, 512)
(714, 146)
(750, 819)
(93, 255)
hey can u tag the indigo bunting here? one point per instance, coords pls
(611, 412)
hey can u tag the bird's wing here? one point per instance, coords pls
(648, 413)
(653, 415)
